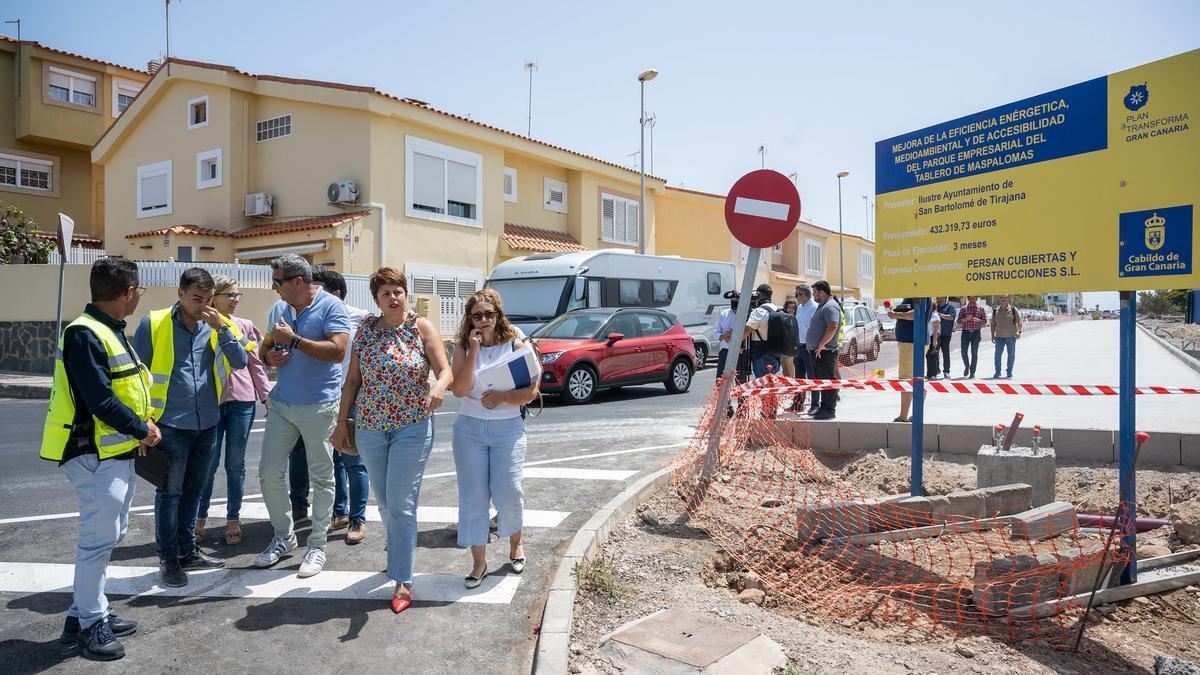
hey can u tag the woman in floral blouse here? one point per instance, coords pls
(388, 384)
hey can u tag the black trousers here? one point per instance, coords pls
(944, 345)
(969, 347)
(825, 366)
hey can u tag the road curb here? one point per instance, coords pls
(553, 646)
(25, 391)
(1188, 361)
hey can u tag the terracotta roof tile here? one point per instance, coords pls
(179, 229)
(314, 223)
(75, 239)
(536, 239)
(785, 273)
(8, 38)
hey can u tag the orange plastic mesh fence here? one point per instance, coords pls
(775, 507)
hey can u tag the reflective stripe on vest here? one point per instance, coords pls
(162, 337)
(130, 384)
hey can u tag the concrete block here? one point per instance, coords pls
(902, 514)
(672, 641)
(1189, 450)
(817, 435)
(970, 504)
(832, 519)
(1044, 522)
(962, 439)
(556, 618)
(1017, 581)
(899, 437)
(583, 545)
(552, 653)
(1078, 569)
(994, 466)
(1007, 499)
(1088, 445)
(564, 575)
(862, 436)
(1163, 449)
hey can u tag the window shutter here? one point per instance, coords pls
(460, 183)
(60, 80)
(607, 218)
(508, 186)
(466, 288)
(633, 232)
(446, 288)
(85, 86)
(619, 217)
(154, 192)
(422, 285)
(429, 182)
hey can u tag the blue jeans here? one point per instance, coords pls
(969, 348)
(189, 454)
(396, 458)
(298, 477)
(237, 417)
(350, 492)
(1011, 344)
(105, 491)
(489, 460)
(761, 359)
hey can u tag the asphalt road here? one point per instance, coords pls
(242, 619)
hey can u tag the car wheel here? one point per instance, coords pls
(701, 355)
(579, 386)
(878, 347)
(853, 354)
(679, 378)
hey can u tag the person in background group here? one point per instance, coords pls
(351, 483)
(1006, 330)
(932, 341)
(245, 387)
(788, 363)
(803, 363)
(725, 325)
(904, 314)
(762, 361)
(947, 312)
(388, 386)
(191, 349)
(823, 343)
(306, 344)
(98, 419)
(489, 435)
(971, 320)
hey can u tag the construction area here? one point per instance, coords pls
(826, 555)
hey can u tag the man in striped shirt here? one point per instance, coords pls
(971, 320)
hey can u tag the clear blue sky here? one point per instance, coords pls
(816, 83)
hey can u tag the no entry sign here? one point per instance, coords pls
(762, 208)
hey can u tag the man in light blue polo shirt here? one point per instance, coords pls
(805, 308)
(306, 343)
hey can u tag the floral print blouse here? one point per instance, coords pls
(395, 374)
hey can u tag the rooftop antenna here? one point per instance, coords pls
(651, 120)
(167, 12)
(762, 153)
(530, 66)
(634, 155)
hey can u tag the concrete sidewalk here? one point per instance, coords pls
(1079, 352)
(25, 385)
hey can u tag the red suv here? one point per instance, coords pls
(586, 350)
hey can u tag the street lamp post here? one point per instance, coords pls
(841, 245)
(644, 77)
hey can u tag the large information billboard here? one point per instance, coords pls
(1086, 188)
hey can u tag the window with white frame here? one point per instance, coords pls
(26, 173)
(443, 183)
(123, 94)
(866, 264)
(197, 112)
(154, 189)
(275, 127)
(69, 86)
(555, 195)
(619, 222)
(185, 254)
(814, 256)
(208, 169)
(510, 185)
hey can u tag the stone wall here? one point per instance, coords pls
(27, 346)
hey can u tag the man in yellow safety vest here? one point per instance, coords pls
(191, 348)
(99, 418)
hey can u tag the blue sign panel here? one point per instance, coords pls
(1156, 242)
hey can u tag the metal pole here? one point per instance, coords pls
(62, 275)
(841, 248)
(167, 10)
(921, 319)
(529, 119)
(642, 165)
(1128, 418)
(731, 359)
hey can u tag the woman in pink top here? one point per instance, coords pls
(243, 389)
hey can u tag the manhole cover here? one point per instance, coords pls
(694, 640)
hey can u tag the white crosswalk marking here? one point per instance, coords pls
(18, 577)
(577, 474)
(425, 514)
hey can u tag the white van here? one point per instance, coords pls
(536, 288)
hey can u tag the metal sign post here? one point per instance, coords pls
(66, 229)
(920, 322)
(1127, 400)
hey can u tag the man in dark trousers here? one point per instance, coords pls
(822, 342)
(99, 419)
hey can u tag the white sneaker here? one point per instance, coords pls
(314, 562)
(278, 548)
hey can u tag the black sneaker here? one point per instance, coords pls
(120, 628)
(199, 560)
(98, 643)
(823, 415)
(172, 573)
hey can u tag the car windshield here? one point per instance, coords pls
(530, 299)
(573, 326)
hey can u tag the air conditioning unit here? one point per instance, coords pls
(259, 204)
(342, 192)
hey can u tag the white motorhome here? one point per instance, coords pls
(536, 288)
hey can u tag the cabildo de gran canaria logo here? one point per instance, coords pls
(1156, 232)
(1138, 96)
(1155, 242)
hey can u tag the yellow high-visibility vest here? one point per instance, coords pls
(162, 336)
(130, 384)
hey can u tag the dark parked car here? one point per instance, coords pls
(587, 350)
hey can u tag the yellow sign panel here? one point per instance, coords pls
(1087, 188)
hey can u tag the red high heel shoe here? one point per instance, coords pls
(401, 602)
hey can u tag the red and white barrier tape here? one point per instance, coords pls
(778, 384)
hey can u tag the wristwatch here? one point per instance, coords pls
(295, 342)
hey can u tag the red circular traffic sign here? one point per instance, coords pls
(762, 208)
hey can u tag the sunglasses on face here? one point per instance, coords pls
(279, 281)
(480, 316)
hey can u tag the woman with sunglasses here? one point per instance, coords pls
(244, 387)
(489, 435)
(388, 386)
